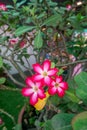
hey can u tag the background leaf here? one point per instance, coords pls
(79, 122)
(23, 29)
(81, 90)
(1, 62)
(38, 41)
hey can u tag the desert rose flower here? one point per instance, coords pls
(3, 7)
(58, 86)
(33, 90)
(44, 72)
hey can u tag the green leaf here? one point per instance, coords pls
(81, 90)
(23, 29)
(38, 41)
(52, 64)
(53, 20)
(79, 122)
(1, 62)
(62, 121)
(18, 127)
(2, 80)
(72, 97)
(60, 71)
(48, 125)
(20, 3)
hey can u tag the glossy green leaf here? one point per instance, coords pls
(38, 41)
(79, 122)
(23, 29)
(2, 80)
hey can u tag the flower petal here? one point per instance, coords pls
(37, 68)
(60, 92)
(52, 90)
(41, 94)
(41, 102)
(27, 92)
(64, 85)
(29, 81)
(37, 77)
(33, 99)
(47, 80)
(46, 65)
(59, 79)
(52, 72)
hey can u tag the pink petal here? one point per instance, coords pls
(40, 84)
(47, 80)
(27, 92)
(33, 99)
(37, 77)
(52, 72)
(46, 65)
(37, 68)
(52, 90)
(64, 85)
(59, 79)
(29, 82)
(41, 94)
(60, 92)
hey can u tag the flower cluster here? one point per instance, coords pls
(45, 79)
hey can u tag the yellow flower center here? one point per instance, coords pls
(44, 74)
(35, 88)
(56, 85)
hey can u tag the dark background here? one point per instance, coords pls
(10, 1)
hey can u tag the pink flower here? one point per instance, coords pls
(13, 41)
(3, 7)
(1, 121)
(33, 90)
(44, 72)
(22, 44)
(58, 86)
(68, 7)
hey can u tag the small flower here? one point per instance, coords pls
(22, 44)
(68, 7)
(58, 86)
(13, 41)
(1, 121)
(33, 90)
(3, 7)
(44, 72)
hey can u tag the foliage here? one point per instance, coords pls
(33, 32)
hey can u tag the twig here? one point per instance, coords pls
(11, 77)
(71, 63)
